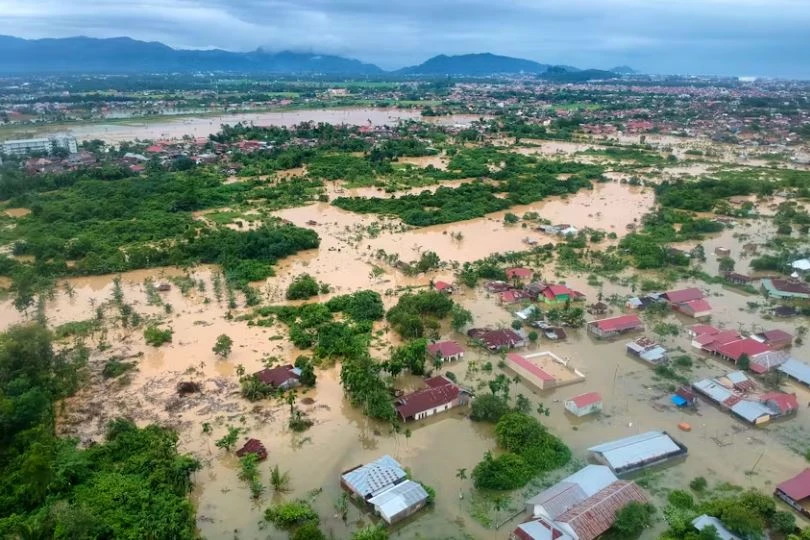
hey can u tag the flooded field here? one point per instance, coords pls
(202, 126)
(348, 259)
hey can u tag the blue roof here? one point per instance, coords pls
(678, 401)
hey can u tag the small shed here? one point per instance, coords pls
(253, 446)
(443, 287)
(722, 252)
(584, 404)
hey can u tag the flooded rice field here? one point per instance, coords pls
(202, 126)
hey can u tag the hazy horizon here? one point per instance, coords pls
(766, 38)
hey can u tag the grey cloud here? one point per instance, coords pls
(767, 37)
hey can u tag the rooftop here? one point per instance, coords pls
(375, 477)
(595, 515)
(637, 449)
(617, 324)
(529, 366)
(798, 487)
(588, 398)
(681, 296)
(439, 391)
(395, 500)
(444, 349)
(798, 370)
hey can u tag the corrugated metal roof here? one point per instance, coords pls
(713, 390)
(406, 495)
(701, 522)
(750, 410)
(375, 477)
(737, 377)
(573, 489)
(539, 529)
(633, 450)
(797, 370)
(597, 514)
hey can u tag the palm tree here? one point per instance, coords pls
(291, 401)
(279, 480)
(461, 474)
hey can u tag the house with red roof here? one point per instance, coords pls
(155, 149)
(780, 403)
(583, 404)
(253, 446)
(697, 309)
(443, 287)
(530, 371)
(512, 296)
(554, 294)
(775, 339)
(734, 350)
(281, 377)
(614, 326)
(440, 394)
(520, 274)
(446, 351)
(681, 296)
(496, 340)
(796, 492)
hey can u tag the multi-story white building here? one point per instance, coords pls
(24, 147)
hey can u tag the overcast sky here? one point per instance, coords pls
(734, 37)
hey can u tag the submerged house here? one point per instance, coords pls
(796, 492)
(584, 404)
(614, 326)
(784, 288)
(440, 394)
(648, 350)
(637, 452)
(446, 351)
(556, 294)
(690, 302)
(281, 377)
(703, 521)
(775, 339)
(384, 486)
(497, 340)
(580, 507)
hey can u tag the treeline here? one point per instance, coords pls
(126, 224)
(468, 201)
(134, 485)
(703, 195)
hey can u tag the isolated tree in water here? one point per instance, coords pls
(223, 346)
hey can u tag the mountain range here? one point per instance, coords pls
(126, 55)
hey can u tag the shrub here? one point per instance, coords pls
(698, 484)
(507, 471)
(114, 367)
(633, 518)
(488, 408)
(290, 514)
(156, 337)
(302, 287)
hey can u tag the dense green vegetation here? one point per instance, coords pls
(133, 485)
(529, 450)
(302, 287)
(106, 225)
(414, 313)
(747, 513)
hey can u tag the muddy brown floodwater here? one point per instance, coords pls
(721, 448)
(167, 127)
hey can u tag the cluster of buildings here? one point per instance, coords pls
(42, 145)
(739, 395)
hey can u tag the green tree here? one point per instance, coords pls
(633, 518)
(726, 264)
(488, 408)
(229, 439)
(302, 287)
(223, 346)
(460, 318)
(307, 377)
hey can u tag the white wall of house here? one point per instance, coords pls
(571, 407)
(441, 408)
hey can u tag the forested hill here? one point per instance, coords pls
(125, 55)
(474, 65)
